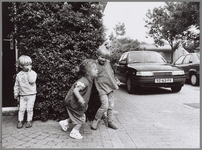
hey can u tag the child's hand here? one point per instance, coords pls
(118, 82)
(29, 69)
(15, 96)
(81, 100)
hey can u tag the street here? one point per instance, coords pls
(153, 118)
(160, 118)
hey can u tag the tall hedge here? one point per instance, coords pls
(57, 36)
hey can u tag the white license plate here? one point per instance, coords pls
(165, 80)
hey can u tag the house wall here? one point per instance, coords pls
(179, 52)
(165, 53)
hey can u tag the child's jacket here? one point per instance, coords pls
(105, 81)
(25, 83)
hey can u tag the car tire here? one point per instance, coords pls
(176, 88)
(129, 86)
(194, 79)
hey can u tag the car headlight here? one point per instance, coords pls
(175, 73)
(144, 73)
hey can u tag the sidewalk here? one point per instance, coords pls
(139, 126)
(50, 135)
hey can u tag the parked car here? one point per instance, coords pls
(148, 69)
(190, 64)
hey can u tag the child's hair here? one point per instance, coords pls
(102, 50)
(84, 67)
(107, 45)
(24, 60)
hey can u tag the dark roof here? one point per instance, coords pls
(149, 47)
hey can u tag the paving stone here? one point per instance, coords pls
(170, 120)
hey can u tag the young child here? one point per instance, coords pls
(25, 90)
(105, 83)
(78, 96)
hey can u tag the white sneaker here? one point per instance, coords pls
(94, 124)
(75, 134)
(64, 125)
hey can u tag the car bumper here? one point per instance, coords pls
(150, 82)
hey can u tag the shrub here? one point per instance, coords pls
(57, 36)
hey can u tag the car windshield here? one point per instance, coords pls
(146, 57)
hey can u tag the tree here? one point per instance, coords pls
(120, 44)
(172, 22)
(120, 29)
(57, 36)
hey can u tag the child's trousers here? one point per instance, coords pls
(107, 105)
(26, 104)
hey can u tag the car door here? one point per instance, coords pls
(186, 64)
(121, 68)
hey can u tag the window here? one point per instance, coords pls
(187, 59)
(123, 57)
(179, 60)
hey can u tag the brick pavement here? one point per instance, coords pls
(140, 126)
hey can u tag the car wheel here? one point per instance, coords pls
(193, 79)
(176, 88)
(129, 85)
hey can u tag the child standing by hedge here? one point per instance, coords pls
(25, 90)
(105, 83)
(78, 96)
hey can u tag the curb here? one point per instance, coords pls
(9, 111)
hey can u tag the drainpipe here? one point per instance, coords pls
(15, 40)
(16, 55)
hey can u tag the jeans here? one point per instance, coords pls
(107, 105)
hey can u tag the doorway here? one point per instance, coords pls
(8, 59)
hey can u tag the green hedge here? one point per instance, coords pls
(57, 36)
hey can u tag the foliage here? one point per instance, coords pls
(189, 46)
(120, 44)
(172, 22)
(120, 29)
(57, 36)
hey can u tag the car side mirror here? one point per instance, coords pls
(123, 62)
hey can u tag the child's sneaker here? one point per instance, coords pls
(95, 124)
(64, 125)
(112, 125)
(75, 134)
(28, 124)
(20, 124)
(105, 119)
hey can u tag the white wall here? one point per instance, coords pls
(179, 52)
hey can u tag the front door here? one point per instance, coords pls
(8, 59)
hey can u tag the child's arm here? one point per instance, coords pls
(79, 86)
(16, 88)
(78, 95)
(32, 76)
(118, 82)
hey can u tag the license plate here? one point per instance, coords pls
(166, 80)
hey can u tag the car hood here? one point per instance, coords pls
(153, 67)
